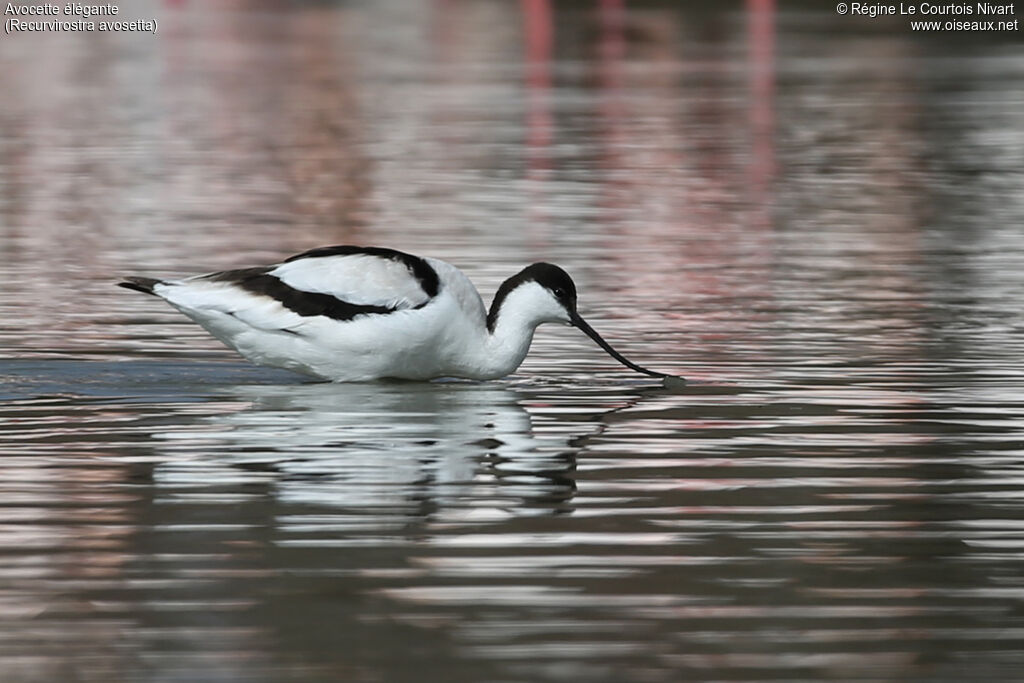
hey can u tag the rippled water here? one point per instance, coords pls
(819, 221)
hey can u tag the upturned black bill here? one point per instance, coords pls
(579, 322)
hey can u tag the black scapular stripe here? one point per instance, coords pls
(260, 281)
(420, 269)
(306, 303)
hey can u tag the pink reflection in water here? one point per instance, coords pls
(761, 36)
(538, 43)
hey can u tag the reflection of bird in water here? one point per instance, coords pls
(362, 313)
(415, 447)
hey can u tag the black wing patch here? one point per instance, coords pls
(307, 304)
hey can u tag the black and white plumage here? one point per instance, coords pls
(361, 313)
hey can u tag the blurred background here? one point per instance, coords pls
(817, 218)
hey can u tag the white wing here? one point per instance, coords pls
(362, 279)
(338, 283)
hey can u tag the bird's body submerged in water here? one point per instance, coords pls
(361, 313)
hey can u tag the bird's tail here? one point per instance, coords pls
(140, 284)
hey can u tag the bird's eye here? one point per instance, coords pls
(559, 292)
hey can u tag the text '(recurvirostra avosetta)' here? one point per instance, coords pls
(70, 17)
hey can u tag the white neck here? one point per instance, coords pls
(499, 351)
(507, 345)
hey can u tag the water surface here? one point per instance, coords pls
(817, 221)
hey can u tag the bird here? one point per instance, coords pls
(352, 313)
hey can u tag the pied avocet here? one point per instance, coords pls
(350, 314)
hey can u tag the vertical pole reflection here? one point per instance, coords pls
(612, 42)
(538, 38)
(761, 38)
(611, 51)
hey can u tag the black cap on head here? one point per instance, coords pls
(555, 280)
(548, 276)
